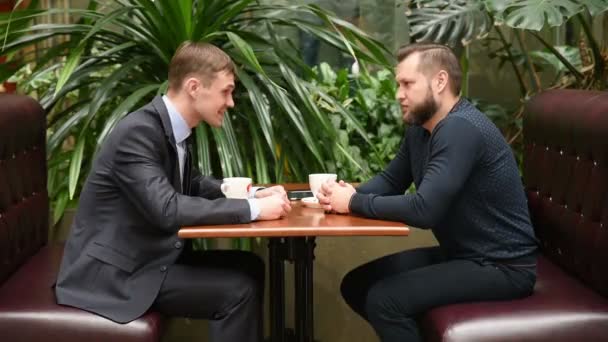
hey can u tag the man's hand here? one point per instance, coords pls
(336, 196)
(273, 207)
(325, 191)
(273, 190)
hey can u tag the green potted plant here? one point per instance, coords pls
(114, 58)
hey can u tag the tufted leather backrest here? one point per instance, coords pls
(566, 178)
(24, 205)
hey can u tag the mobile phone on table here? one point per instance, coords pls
(295, 195)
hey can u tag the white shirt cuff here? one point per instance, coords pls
(254, 208)
(253, 190)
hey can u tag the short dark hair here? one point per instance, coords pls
(198, 58)
(434, 57)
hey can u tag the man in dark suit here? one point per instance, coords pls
(123, 255)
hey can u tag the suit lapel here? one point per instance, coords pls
(161, 109)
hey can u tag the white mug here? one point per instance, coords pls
(315, 180)
(236, 187)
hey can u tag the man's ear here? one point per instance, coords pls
(191, 85)
(441, 81)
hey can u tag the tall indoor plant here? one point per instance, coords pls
(114, 58)
(582, 64)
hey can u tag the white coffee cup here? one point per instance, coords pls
(315, 180)
(236, 187)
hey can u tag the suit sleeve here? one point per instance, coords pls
(141, 177)
(455, 149)
(205, 186)
(395, 178)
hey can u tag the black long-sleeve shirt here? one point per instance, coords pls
(468, 188)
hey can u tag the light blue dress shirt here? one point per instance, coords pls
(181, 131)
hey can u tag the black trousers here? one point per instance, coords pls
(391, 292)
(224, 286)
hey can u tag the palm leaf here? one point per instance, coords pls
(75, 165)
(232, 10)
(570, 53)
(449, 22)
(228, 148)
(246, 52)
(124, 108)
(116, 60)
(596, 7)
(203, 150)
(261, 107)
(261, 166)
(58, 135)
(60, 205)
(579, 76)
(533, 14)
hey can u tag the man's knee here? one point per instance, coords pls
(381, 305)
(246, 286)
(347, 287)
(257, 264)
(251, 263)
(242, 291)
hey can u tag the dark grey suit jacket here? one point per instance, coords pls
(124, 235)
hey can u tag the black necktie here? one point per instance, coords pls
(187, 167)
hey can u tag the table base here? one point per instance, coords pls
(300, 251)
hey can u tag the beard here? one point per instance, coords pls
(419, 114)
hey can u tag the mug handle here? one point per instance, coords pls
(224, 188)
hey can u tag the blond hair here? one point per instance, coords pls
(198, 59)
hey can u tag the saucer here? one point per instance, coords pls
(311, 202)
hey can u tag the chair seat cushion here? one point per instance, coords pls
(560, 309)
(29, 312)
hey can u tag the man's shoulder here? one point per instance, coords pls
(467, 111)
(469, 123)
(460, 125)
(144, 119)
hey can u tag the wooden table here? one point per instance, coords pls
(293, 239)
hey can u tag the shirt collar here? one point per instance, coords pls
(181, 130)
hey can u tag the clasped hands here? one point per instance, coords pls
(273, 203)
(336, 196)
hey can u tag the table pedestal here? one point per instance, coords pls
(300, 251)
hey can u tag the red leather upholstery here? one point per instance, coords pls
(561, 309)
(28, 267)
(24, 202)
(28, 311)
(566, 179)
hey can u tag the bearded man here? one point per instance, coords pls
(468, 191)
